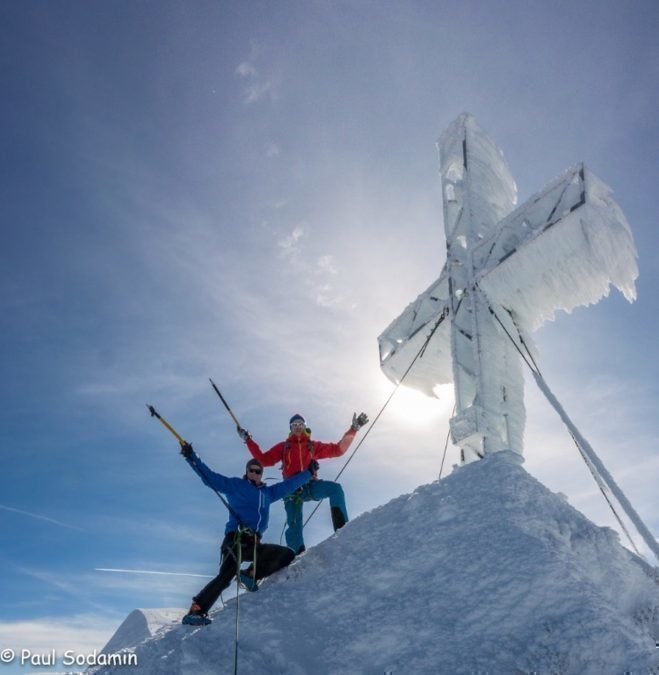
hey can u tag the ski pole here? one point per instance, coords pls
(154, 413)
(226, 405)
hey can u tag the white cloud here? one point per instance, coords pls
(325, 296)
(315, 276)
(325, 265)
(246, 69)
(256, 91)
(258, 86)
(81, 633)
(289, 243)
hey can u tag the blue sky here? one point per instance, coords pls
(249, 192)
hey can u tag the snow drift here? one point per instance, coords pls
(484, 571)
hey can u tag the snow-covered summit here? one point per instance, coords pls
(139, 625)
(484, 571)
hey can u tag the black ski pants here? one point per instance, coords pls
(267, 559)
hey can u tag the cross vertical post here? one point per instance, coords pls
(507, 271)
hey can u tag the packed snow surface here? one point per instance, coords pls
(483, 571)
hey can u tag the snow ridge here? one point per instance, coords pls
(484, 571)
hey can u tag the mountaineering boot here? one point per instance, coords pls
(338, 519)
(196, 616)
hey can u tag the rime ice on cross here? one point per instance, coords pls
(506, 272)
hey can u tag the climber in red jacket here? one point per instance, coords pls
(295, 453)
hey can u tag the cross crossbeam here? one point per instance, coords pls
(507, 271)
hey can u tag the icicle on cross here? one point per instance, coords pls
(506, 272)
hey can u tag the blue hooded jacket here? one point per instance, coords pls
(251, 503)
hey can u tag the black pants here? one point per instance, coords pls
(267, 558)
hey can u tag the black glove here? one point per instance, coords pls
(243, 433)
(313, 466)
(186, 450)
(358, 421)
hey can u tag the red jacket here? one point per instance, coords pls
(296, 452)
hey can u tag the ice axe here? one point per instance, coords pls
(200, 471)
(165, 423)
(226, 405)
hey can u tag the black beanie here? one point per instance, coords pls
(253, 462)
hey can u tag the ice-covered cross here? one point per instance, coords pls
(506, 272)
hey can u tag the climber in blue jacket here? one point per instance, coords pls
(249, 500)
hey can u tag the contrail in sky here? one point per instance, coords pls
(38, 517)
(175, 574)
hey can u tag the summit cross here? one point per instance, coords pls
(507, 271)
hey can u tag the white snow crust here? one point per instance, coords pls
(563, 249)
(485, 571)
(492, 192)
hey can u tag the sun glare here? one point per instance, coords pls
(410, 405)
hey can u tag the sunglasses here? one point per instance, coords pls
(298, 425)
(254, 469)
